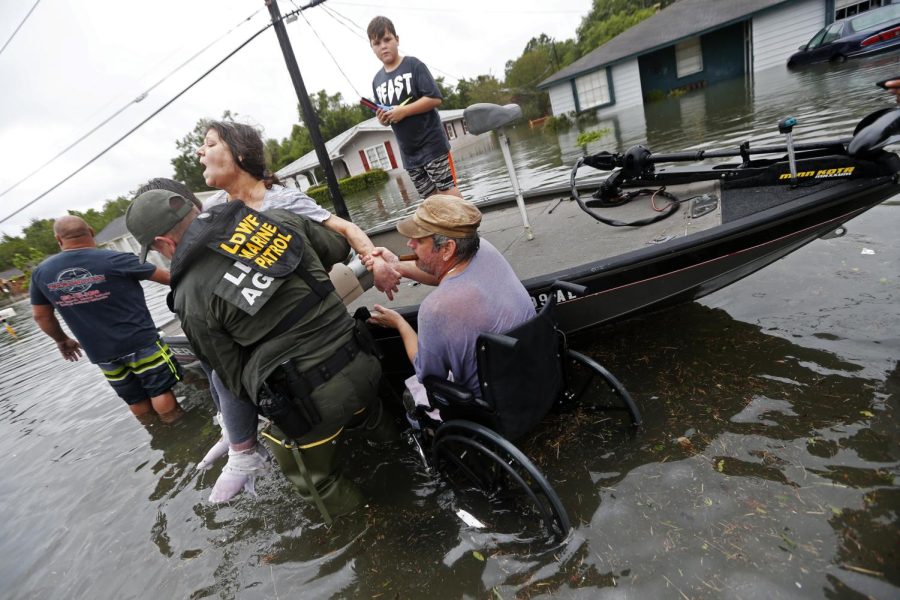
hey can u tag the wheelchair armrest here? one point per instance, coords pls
(500, 339)
(445, 394)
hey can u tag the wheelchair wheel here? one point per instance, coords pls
(473, 456)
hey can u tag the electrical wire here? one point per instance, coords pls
(458, 10)
(19, 27)
(365, 37)
(140, 97)
(334, 15)
(336, 64)
(139, 125)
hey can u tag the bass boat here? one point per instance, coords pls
(663, 229)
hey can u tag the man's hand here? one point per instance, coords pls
(383, 265)
(384, 253)
(70, 349)
(386, 317)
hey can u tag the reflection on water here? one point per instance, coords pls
(768, 465)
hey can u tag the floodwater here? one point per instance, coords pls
(768, 466)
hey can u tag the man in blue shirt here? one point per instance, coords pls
(99, 295)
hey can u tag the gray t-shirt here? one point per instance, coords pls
(486, 297)
(279, 196)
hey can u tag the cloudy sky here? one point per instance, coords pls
(73, 64)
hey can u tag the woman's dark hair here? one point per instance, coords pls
(246, 146)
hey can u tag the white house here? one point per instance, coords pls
(690, 44)
(368, 145)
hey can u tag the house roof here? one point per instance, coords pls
(9, 274)
(335, 145)
(114, 230)
(681, 20)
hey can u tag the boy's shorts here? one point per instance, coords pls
(436, 176)
(143, 374)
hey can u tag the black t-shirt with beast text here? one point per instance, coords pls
(421, 137)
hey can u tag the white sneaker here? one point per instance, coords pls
(219, 449)
(240, 473)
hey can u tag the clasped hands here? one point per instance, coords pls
(383, 265)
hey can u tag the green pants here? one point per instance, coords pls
(347, 399)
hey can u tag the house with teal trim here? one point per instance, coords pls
(692, 44)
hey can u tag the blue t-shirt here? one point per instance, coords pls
(99, 295)
(421, 137)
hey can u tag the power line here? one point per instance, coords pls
(140, 98)
(19, 27)
(363, 37)
(139, 125)
(458, 10)
(331, 55)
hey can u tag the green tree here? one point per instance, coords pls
(99, 219)
(335, 117)
(39, 235)
(9, 247)
(483, 88)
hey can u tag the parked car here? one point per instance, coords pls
(867, 33)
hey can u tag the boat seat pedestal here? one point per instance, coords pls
(485, 117)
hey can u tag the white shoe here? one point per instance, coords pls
(240, 473)
(219, 449)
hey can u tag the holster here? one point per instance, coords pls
(286, 401)
(286, 396)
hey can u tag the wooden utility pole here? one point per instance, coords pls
(309, 115)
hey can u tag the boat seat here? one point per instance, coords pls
(484, 117)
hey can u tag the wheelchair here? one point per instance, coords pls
(523, 374)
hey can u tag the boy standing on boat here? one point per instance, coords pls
(406, 86)
(99, 295)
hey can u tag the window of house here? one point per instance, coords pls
(451, 131)
(465, 126)
(592, 89)
(848, 8)
(378, 158)
(688, 57)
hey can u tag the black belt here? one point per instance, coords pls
(312, 378)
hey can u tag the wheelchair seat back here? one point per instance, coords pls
(520, 374)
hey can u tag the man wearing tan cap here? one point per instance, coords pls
(477, 291)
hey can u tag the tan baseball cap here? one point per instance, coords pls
(443, 214)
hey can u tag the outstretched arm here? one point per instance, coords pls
(386, 276)
(46, 319)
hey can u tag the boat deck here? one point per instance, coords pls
(564, 236)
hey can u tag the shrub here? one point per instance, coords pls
(591, 136)
(348, 185)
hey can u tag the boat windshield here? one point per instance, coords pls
(875, 18)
